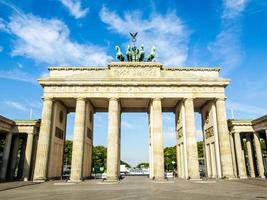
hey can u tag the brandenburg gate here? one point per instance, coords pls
(134, 87)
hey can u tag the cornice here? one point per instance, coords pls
(74, 68)
(132, 64)
(135, 64)
(239, 122)
(133, 82)
(260, 119)
(192, 68)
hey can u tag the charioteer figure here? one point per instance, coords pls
(134, 54)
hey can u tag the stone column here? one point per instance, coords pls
(233, 154)
(14, 158)
(224, 139)
(208, 161)
(213, 160)
(21, 158)
(191, 143)
(41, 164)
(28, 157)
(182, 161)
(158, 155)
(240, 156)
(78, 142)
(6, 153)
(250, 156)
(259, 155)
(178, 158)
(113, 155)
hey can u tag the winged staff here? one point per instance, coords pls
(134, 36)
(134, 54)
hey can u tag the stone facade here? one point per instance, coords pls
(18, 136)
(249, 137)
(136, 87)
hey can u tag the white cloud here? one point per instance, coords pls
(166, 32)
(127, 125)
(16, 105)
(75, 8)
(226, 49)
(2, 24)
(233, 8)
(47, 40)
(20, 65)
(199, 135)
(250, 111)
(19, 75)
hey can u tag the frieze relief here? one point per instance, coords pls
(209, 132)
(132, 89)
(135, 72)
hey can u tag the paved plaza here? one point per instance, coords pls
(142, 188)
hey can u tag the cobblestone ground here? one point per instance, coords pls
(141, 188)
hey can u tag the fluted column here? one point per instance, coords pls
(224, 139)
(191, 143)
(158, 156)
(250, 156)
(240, 156)
(213, 160)
(259, 155)
(28, 157)
(113, 151)
(6, 154)
(78, 141)
(41, 165)
(208, 160)
(183, 174)
(178, 160)
(13, 158)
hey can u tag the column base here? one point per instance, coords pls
(40, 180)
(112, 179)
(243, 177)
(25, 179)
(159, 179)
(74, 181)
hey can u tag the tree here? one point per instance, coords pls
(67, 152)
(169, 158)
(200, 149)
(144, 165)
(125, 163)
(99, 158)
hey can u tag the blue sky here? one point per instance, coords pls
(226, 33)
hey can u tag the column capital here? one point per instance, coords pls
(114, 99)
(80, 99)
(220, 99)
(48, 99)
(156, 99)
(188, 99)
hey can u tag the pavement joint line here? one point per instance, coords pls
(19, 186)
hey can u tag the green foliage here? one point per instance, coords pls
(99, 157)
(263, 147)
(145, 165)
(200, 149)
(125, 163)
(67, 152)
(169, 158)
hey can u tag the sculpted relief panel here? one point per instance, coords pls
(137, 72)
